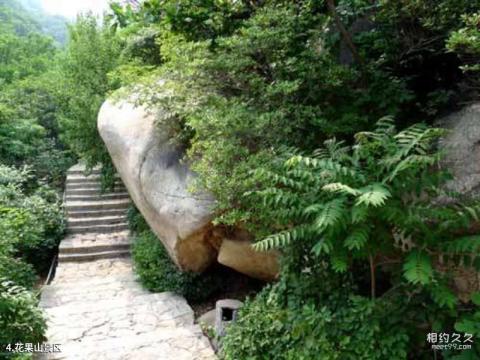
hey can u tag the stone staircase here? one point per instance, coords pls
(96, 308)
(96, 222)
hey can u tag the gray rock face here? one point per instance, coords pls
(462, 149)
(158, 182)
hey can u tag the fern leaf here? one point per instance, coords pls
(444, 296)
(417, 268)
(339, 264)
(359, 213)
(331, 212)
(340, 188)
(357, 238)
(373, 195)
(322, 246)
(385, 126)
(282, 239)
(463, 245)
(473, 212)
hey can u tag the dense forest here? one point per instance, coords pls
(313, 123)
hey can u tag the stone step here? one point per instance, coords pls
(97, 220)
(81, 167)
(97, 205)
(103, 229)
(94, 249)
(95, 178)
(96, 213)
(90, 290)
(166, 343)
(93, 271)
(94, 284)
(101, 197)
(78, 245)
(94, 191)
(83, 172)
(129, 299)
(93, 256)
(87, 184)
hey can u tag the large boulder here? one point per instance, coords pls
(462, 149)
(158, 182)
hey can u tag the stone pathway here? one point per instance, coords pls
(96, 309)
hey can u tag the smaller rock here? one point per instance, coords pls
(225, 313)
(208, 319)
(239, 255)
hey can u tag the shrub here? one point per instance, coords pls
(158, 273)
(20, 318)
(352, 328)
(136, 222)
(380, 200)
(31, 222)
(17, 271)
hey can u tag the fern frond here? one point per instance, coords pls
(333, 167)
(444, 296)
(417, 139)
(417, 268)
(473, 212)
(463, 245)
(373, 195)
(339, 263)
(385, 126)
(357, 238)
(322, 246)
(278, 197)
(302, 175)
(359, 213)
(288, 214)
(341, 188)
(412, 161)
(330, 214)
(283, 239)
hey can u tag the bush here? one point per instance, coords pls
(20, 318)
(136, 222)
(30, 226)
(352, 328)
(17, 271)
(158, 273)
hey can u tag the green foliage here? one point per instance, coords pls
(273, 82)
(465, 42)
(368, 194)
(20, 319)
(252, 87)
(28, 101)
(380, 201)
(354, 328)
(17, 271)
(418, 269)
(92, 52)
(136, 222)
(31, 225)
(158, 273)
(195, 19)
